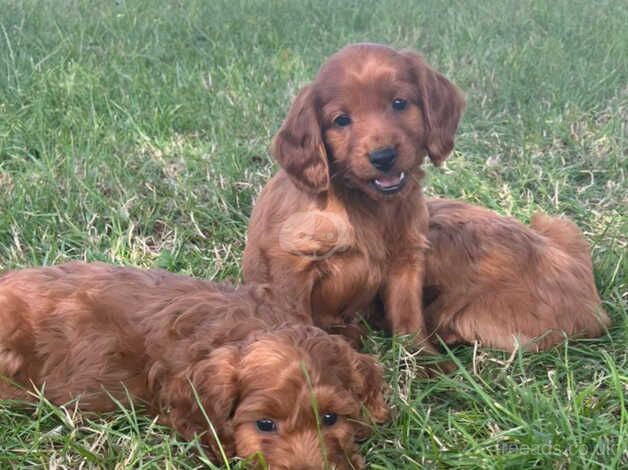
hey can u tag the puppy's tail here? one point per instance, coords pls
(563, 233)
(567, 237)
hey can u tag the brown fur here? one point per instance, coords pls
(496, 281)
(88, 330)
(320, 231)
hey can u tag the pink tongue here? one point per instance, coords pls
(388, 181)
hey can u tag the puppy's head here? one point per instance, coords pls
(305, 399)
(296, 398)
(367, 121)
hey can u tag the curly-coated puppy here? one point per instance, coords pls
(95, 331)
(493, 280)
(344, 221)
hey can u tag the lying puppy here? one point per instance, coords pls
(491, 279)
(344, 221)
(95, 331)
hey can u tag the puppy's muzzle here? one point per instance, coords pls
(383, 159)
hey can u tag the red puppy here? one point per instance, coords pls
(92, 331)
(496, 281)
(344, 221)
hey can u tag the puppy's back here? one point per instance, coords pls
(84, 327)
(563, 233)
(496, 278)
(75, 328)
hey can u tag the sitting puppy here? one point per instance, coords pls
(95, 331)
(344, 221)
(493, 280)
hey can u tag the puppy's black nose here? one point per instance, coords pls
(383, 159)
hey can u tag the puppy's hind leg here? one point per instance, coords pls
(495, 320)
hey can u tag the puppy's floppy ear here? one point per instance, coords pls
(299, 147)
(215, 380)
(368, 384)
(442, 103)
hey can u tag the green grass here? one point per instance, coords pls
(137, 132)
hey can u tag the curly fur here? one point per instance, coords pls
(492, 279)
(94, 331)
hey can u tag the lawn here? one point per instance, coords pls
(137, 132)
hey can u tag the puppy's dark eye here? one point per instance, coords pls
(329, 419)
(266, 425)
(399, 104)
(342, 121)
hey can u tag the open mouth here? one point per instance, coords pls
(389, 184)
